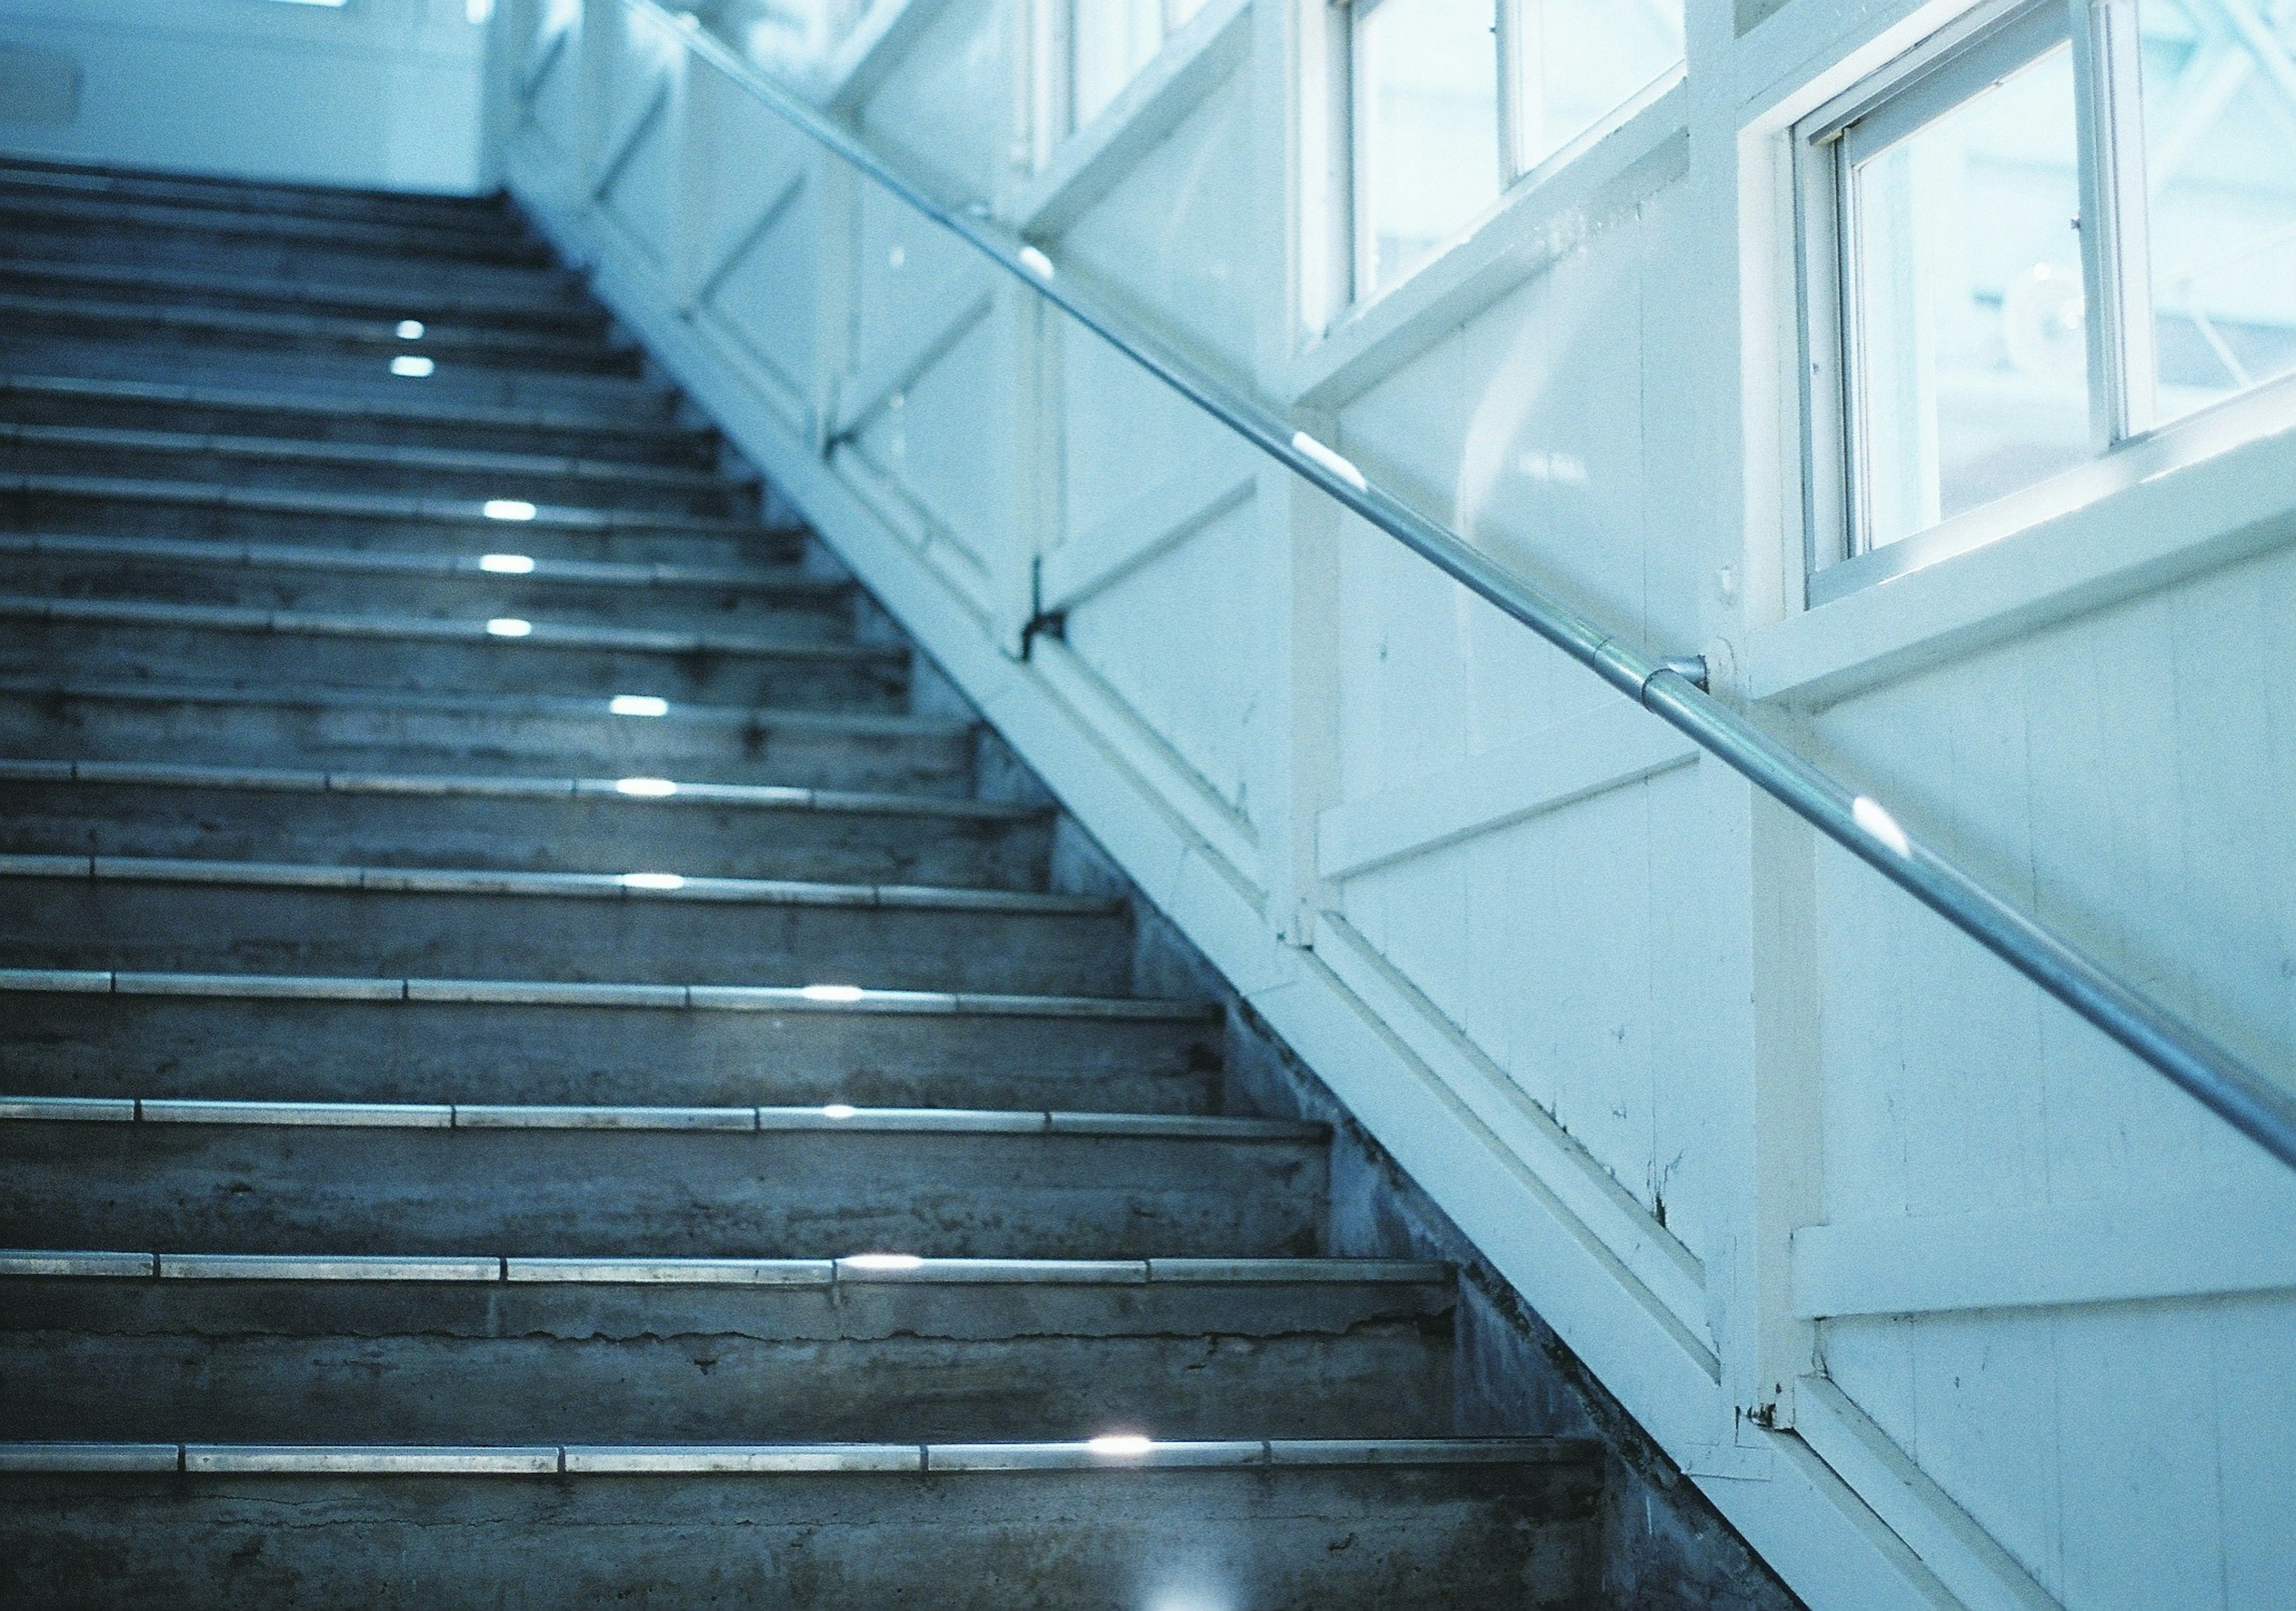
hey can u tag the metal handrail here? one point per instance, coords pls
(2245, 1096)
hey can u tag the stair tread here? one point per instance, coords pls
(646, 792)
(471, 511)
(443, 335)
(616, 575)
(358, 455)
(507, 1269)
(428, 409)
(508, 992)
(382, 1460)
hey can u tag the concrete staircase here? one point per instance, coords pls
(535, 1073)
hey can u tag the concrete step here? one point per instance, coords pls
(1276, 1525)
(184, 330)
(254, 647)
(98, 720)
(477, 474)
(377, 1350)
(374, 378)
(705, 1182)
(35, 177)
(646, 925)
(519, 823)
(97, 221)
(405, 421)
(345, 1039)
(421, 282)
(122, 506)
(557, 309)
(779, 602)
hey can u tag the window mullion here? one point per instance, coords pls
(2115, 262)
(1513, 44)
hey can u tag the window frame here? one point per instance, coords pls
(1057, 97)
(1354, 243)
(1946, 70)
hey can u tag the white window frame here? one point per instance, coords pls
(1352, 235)
(1055, 29)
(1951, 68)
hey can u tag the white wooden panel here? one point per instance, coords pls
(946, 105)
(1538, 940)
(1123, 435)
(1524, 429)
(638, 190)
(2080, 1253)
(1180, 235)
(1608, 747)
(942, 449)
(1180, 641)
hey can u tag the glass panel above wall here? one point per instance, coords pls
(1967, 313)
(1578, 60)
(1109, 42)
(1426, 127)
(785, 35)
(2220, 156)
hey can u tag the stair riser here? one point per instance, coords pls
(243, 1361)
(734, 750)
(695, 450)
(721, 499)
(1347, 1540)
(340, 379)
(250, 241)
(593, 834)
(656, 541)
(220, 1188)
(553, 313)
(441, 1051)
(193, 928)
(804, 613)
(71, 649)
(176, 334)
(32, 184)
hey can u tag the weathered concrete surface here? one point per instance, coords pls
(1396, 1539)
(433, 1052)
(400, 1362)
(807, 1194)
(587, 833)
(119, 720)
(604, 937)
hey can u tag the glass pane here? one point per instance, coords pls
(1581, 60)
(1110, 40)
(2220, 161)
(783, 35)
(1426, 127)
(1966, 290)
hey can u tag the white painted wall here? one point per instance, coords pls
(1768, 1146)
(377, 93)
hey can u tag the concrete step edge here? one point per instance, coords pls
(1117, 1453)
(415, 410)
(381, 302)
(509, 633)
(386, 506)
(600, 886)
(637, 792)
(439, 338)
(510, 993)
(231, 553)
(389, 455)
(492, 707)
(836, 1118)
(853, 1270)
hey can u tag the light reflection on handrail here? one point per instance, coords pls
(2247, 1098)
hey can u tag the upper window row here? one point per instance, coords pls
(2063, 226)
(1452, 102)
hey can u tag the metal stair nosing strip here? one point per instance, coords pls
(515, 992)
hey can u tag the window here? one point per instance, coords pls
(2067, 222)
(1451, 101)
(1106, 43)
